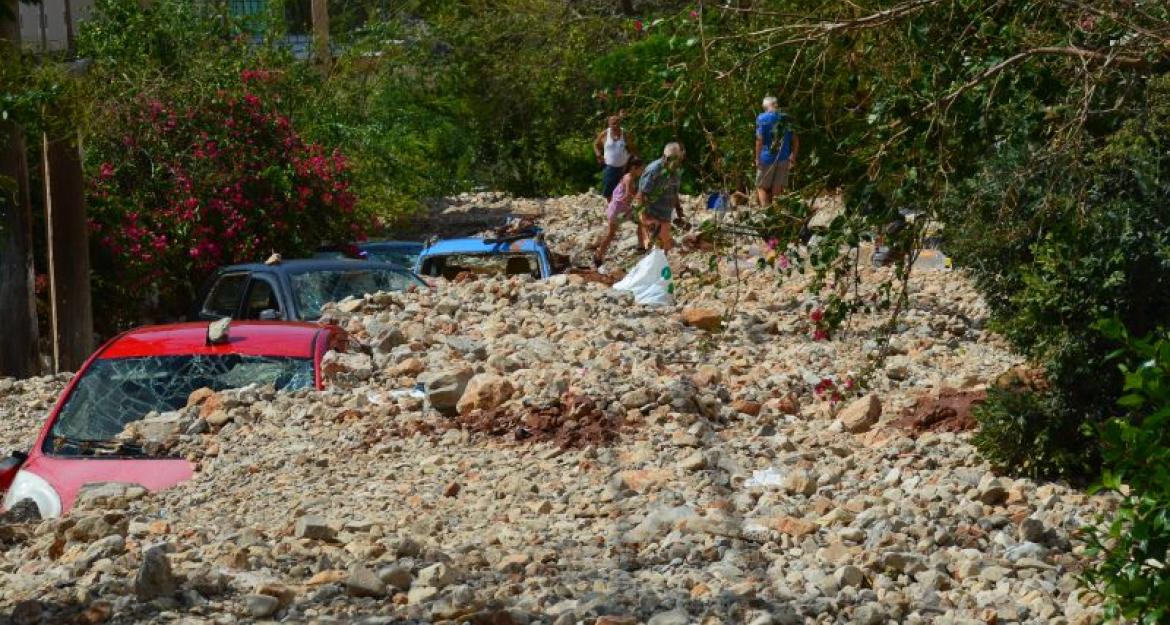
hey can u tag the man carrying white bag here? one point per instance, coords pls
(651, 280)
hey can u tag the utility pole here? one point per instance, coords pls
(68, 26)
(320, 16)
(72, 312)
(18, 336)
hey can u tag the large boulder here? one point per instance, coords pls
(386, 339)
(484, 392)
(444, 389)
(702, 318)
(154, 579)
(862, 414)
(341, 365)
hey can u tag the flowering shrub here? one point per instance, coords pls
(181, 188)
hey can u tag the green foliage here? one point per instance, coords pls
(1134, 546)
(1031, 433)
(1093, 242)
(171, 37)
(387, 107)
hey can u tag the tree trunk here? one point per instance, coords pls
(18, 336)
(72, 316)
(320, 16)
(68, 26)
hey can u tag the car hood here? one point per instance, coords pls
(67, 476)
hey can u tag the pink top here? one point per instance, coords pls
(620, 202)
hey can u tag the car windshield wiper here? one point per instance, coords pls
(91, 447)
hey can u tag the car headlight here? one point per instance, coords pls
(28, 485)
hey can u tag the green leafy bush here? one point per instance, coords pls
(1099, 234)
(1029, 432)
(1133, 572)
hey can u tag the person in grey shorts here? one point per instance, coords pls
(776, 148)
(658, 192)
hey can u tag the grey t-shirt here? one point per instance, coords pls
(660, 188)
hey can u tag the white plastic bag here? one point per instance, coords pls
(766, 477)
(650, 281)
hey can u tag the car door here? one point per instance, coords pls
(225, 296)
(262, 300)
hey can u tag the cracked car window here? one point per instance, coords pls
(117, 391)
(314, 289)
(451, 265)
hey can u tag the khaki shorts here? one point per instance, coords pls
(773, 177)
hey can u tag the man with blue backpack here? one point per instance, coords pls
(776, 148)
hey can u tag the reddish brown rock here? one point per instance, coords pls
(747, 407)
(793, 526)
(702, 318)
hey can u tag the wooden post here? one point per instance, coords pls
(43, 25)
(18, 335)
(71, 322)
(320, 16)
(68, 26)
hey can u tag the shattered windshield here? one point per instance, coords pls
(451, 265)
(314, 289)
(114, 392)
(405, 258)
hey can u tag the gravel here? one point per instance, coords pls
(704, 480)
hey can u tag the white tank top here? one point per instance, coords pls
(616, 154)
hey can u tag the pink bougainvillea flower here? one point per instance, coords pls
(817, 315)
(638, 25)
(217, 201)
(825, 385)
(694, 14)
(782, 261)
(820, 335)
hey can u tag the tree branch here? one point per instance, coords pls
(827, 27)
(1087, 56)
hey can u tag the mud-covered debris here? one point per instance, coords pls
(570, 421)
(950, 411)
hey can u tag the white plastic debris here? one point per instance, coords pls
(650, 281)
(765, 477)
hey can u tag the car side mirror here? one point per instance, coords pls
(270, 315)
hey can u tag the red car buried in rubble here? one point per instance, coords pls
(153, 370)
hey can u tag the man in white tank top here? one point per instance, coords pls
(613, 149)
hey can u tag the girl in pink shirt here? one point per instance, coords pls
(620, 205)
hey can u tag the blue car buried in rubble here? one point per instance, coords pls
(295, 290)
(524, 253)
(403, 253)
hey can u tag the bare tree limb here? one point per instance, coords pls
(826, 27)
(1086, 56)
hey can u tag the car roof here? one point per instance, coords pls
(391, 243)
(253, 338)
(476, 245)
(313, 264)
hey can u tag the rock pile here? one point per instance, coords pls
(24, 404)
(546, 452)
